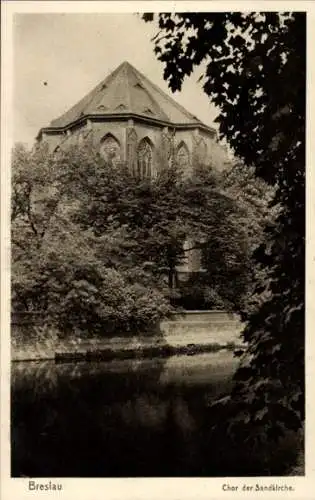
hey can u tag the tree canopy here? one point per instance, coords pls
(255, 70)
(82, 226)
(60, 269)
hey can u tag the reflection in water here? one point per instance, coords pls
(124, 418)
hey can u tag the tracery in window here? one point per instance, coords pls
(145, 158)
(110, 149)
(182, 155)
(202, 151)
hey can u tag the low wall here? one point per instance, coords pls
(212, 316)
(202, 327)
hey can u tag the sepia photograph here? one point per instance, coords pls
(157, 246)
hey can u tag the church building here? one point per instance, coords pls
(131, 120)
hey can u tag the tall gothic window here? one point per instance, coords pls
(202, 151)
(183, 160)
(145, 158)
(182, 155)
(110, 149)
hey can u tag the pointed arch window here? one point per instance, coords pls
(110, 149)
(202, 151)
(182, 155)
(145, 158)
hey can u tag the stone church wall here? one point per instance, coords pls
(201, 147)
(52, 140)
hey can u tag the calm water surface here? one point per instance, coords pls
(124, 418)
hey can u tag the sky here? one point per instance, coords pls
(72, 53)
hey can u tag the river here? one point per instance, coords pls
(146, 418)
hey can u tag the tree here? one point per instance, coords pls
(255, 74)
(253, 196)
(82, 226)
(148, 221)
(58, 268)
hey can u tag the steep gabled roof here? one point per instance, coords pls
(127, 91)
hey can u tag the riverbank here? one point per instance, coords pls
(189, 332)
(154, 351)
(109, 354)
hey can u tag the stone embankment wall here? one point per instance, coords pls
(202, 327)
(33, 339)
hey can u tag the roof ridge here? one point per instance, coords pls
(164, 115)
(106, 80)
(127, 86)
(164, 94)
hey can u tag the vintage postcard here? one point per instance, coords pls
(157, 250)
